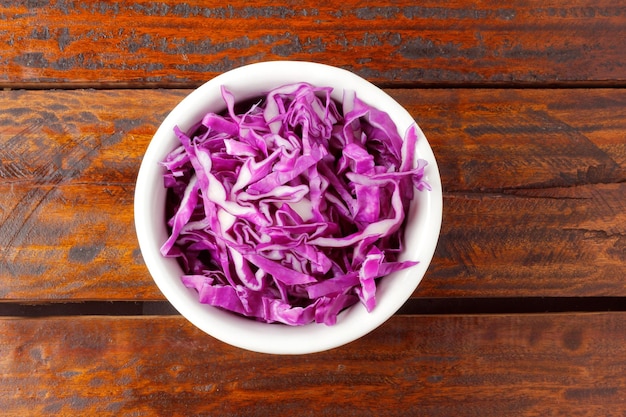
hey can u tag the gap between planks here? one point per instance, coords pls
(414, 306)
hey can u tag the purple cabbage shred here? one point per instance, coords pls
(290, 209)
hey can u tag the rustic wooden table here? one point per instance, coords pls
(522, 311)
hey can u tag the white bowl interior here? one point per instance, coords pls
(422, 230)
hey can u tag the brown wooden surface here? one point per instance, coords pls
(522, 311)
(534, 181)
(69, 164)
(396, 42)
(523, 365)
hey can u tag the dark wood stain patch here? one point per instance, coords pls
(588, 394)
(84, 253)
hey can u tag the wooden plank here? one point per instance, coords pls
(553, 242)
(139, 42)
(522, 365)
(69, 163)
(533, 179)
(530, 138)
(535, 197)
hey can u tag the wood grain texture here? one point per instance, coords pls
(69, 161)
(523, 365)
(534, 191)
(139, 42)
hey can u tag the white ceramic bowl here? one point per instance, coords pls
(422, 229)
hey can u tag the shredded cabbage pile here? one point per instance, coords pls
(289, 210)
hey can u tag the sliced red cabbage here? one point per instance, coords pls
(292, 209)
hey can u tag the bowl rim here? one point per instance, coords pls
(258, 336)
